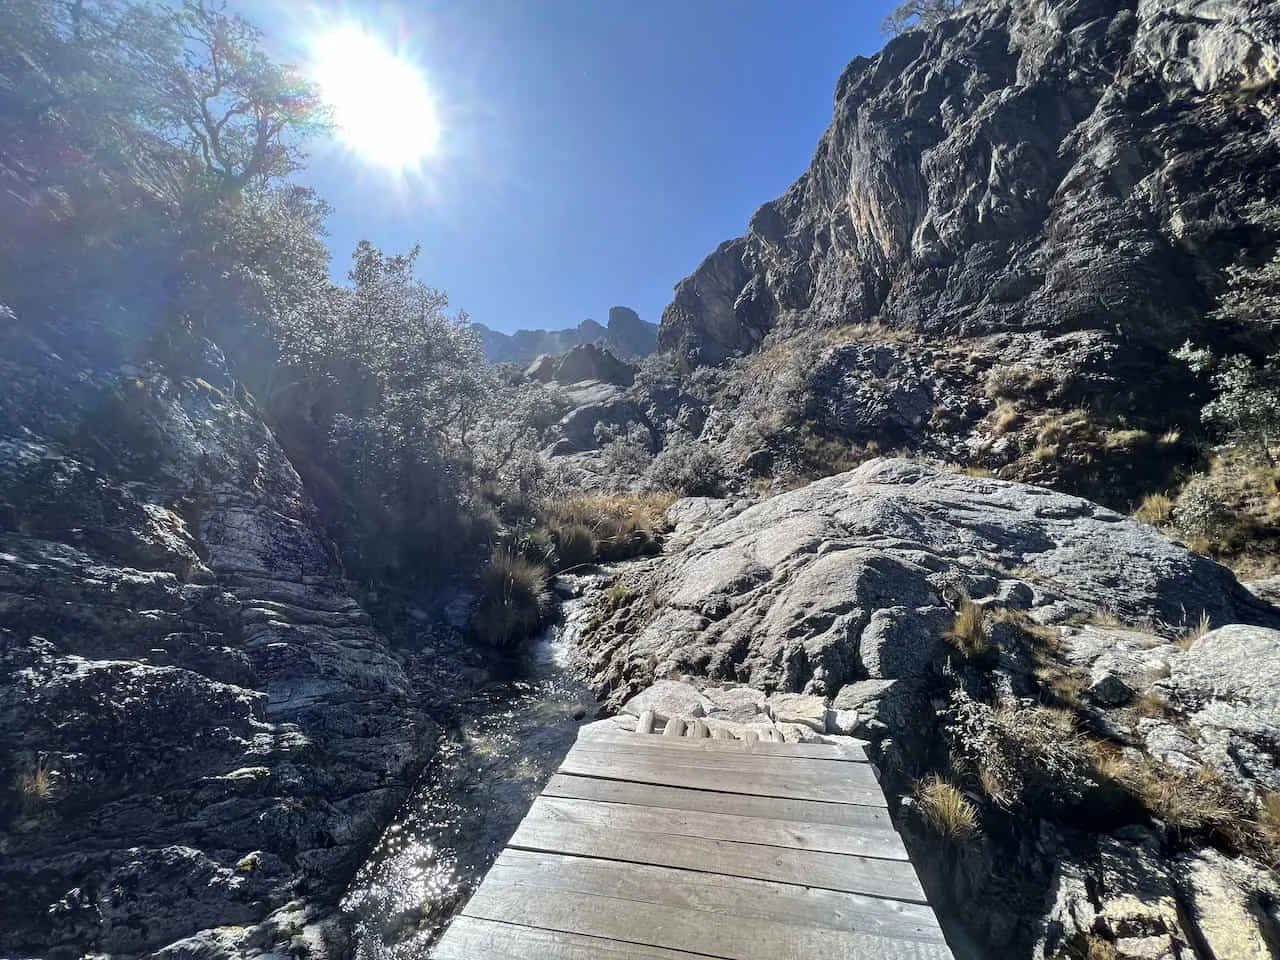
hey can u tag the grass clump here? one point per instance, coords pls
(514, 599)
(35, 786)
(1155, 509)
(947, 810)
(1194, 633)
(968, 633)
(617, 527)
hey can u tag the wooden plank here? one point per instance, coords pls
(870, 839)
(752, 745)
(762, 783)
(742, 805)
(890, 879)
(674, 728)
(720, 733)
(674, 928)
(710, 758)
(723, 897)
(697, 730)
(469, 938)
(645, 722)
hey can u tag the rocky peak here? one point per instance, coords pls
(1053, 166)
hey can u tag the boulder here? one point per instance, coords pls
(799, 709)
(1225, 687)
(668, 699)
(855, 577)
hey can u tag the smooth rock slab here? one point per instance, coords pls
(669, 698)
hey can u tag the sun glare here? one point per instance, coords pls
(382, 106)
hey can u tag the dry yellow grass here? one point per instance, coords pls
(1155, 509)
(947, 810)
(1150, 704)
(968, 633)
(34, 785)
(1004, 418)
(1099, 948)
(1202, 627)
(619, 526)
(1170, 437)
(1269, 825)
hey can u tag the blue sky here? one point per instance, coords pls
(593, 151)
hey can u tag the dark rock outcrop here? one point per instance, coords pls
(1025, 208)
(201, 728)
(1053, 166)
(584, 362)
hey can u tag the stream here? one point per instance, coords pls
(509, 739)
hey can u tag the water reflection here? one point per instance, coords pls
(508, 742)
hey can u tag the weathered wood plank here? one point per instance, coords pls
(742, 805)
(753, 746)
(756, 782)
(674, 928)
(723, 897)
(674, 728)
(697, 730)
(644, 724)
(711, 758)
(870, 839)
(890, 879)
(469, 938)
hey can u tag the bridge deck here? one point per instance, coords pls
(675, 848)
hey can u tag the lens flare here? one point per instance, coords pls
(382, 105)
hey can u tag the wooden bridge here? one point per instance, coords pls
(684, 847)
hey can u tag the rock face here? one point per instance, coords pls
(201, 728)
(626, 334)
(584, 362)
(856, 577)
(829, 610)
(1053, 165)
(1010, 223)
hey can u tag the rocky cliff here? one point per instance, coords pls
(625, 334)
(202, 731)
(1029, 205)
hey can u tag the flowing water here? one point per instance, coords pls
(510, 738)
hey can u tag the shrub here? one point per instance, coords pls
(946, 809)
(1021, 755)
(514, 599)
(968, 633)
(1004, 418)
(688, 469)
(1199, 510)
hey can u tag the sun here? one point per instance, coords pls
(382, 105)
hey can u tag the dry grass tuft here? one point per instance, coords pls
(1202, 627)
(1099, 948)
(514, 599)
(1155, 509)
(1004, 418)
(968, 633)
(947, 810)
(619, 526)
(1106, 617)
(1150, 704)
(34, 785)
(1269, 825)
